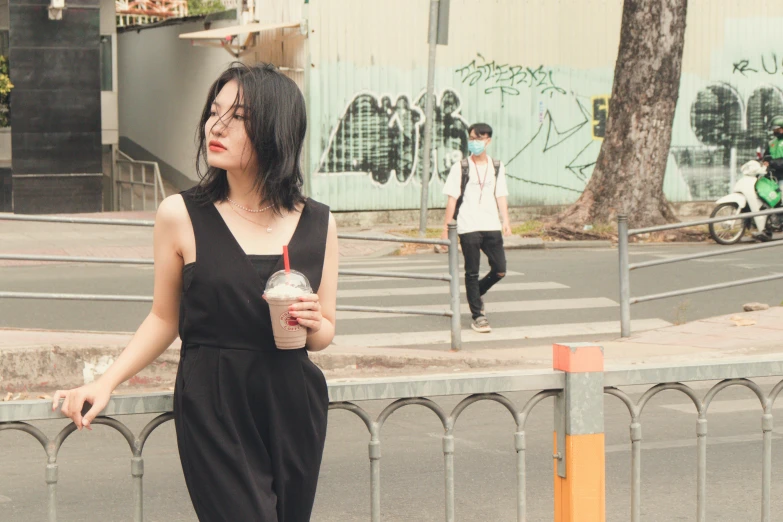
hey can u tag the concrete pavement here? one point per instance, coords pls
(111, 241)
(39, 361)
(42, 360)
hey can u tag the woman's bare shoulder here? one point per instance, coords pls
(172, 212)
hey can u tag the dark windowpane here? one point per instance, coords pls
(4, 42)
(106, 64)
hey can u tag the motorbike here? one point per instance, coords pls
(756, 190)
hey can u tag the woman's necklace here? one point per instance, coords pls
(268, 226)
(234, 203)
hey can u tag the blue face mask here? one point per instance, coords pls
(476, 147)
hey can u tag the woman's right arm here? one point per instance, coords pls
(156, 332)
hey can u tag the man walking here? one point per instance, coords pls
(476, 188)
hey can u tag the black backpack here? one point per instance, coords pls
(466, 177)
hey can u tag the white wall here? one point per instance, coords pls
(163, 83)
(275, 11)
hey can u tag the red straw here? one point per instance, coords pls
(285, 259)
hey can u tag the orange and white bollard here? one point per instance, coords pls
(579, 453)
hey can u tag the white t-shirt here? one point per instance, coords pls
(479, 210)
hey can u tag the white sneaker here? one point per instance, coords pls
(481, 325)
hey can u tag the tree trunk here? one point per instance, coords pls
(629, 172)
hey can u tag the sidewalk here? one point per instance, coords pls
(65, 239)
(37, 361)
(109, 241)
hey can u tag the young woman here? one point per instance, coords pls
(250, 418)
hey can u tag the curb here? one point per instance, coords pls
(540, 244)
(672, 243)
(523, 243)
(47, 367)
(553, 245)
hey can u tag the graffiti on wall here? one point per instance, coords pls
(508, 80)
(549, 136)
(600, 115)
(383, 137)
(769, 64)
(730, 129)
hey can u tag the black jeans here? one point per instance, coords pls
(473, 243)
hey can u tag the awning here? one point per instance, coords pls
(226, 37)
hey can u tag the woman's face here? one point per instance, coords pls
(228, 146)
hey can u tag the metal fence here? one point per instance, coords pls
(133, 182)
(452, 277)
(476, 388)
(624, 234)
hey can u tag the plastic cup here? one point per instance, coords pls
(282, 290)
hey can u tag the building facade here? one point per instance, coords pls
(63, 118)
(539, 72)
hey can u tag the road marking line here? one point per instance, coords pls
(442, 289)
(443, 269)
(360, 279)
(691, 443)
(498, 334)
(728, 406)
(358, 264)
(719, 260)
(497, 307)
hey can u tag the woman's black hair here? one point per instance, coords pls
(275, 120)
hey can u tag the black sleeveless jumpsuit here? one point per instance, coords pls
(250, 419)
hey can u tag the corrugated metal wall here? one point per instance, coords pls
(540, 72)
(286, 48)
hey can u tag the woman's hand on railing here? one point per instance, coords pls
(95, 394)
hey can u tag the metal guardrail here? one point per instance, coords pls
(126, 184)
(623, 235)
(475, 387)
(452, 277)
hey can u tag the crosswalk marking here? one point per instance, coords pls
(417, 269)
(396, 264)
(365, 279)
(432, 266)
(498, 334)
(442, 288)
(495, 308)
(513, 302)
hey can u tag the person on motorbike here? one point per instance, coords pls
(773, 160)
(773, 155)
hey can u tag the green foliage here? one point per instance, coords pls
(204, 7)
(5, 93)
(531, 228)
(432, 233)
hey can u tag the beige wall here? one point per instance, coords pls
(269, 11)
(164, 83)
(579, 34)
(576, 33)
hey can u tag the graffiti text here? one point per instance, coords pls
(768, 63)
(508, 80)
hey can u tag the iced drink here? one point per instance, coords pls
(282, 290)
